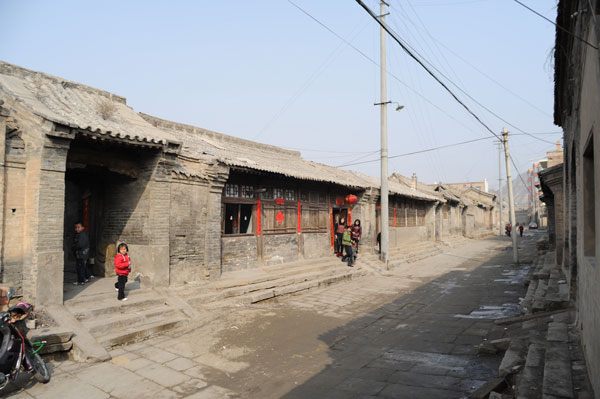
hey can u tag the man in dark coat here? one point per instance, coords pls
(81, 247)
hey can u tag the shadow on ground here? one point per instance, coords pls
(423, 344)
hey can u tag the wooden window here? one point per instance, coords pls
(401, 215)
(421, 216)
(278, 193)
(248, 192)
(237, 219)
(278, 218)
(323, 198)
(268, 194)
(314, 219)
(290, 195)
(314, 197)
(232, 190)
(304, 196)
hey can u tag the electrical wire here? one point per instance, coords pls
(410, 53)
(475, 68)
(417, 152)
(311, 79)
(517, 169)
(329, 151)
(359, 51)
(405, 46)
(555, 24)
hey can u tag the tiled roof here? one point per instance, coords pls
(78, 106)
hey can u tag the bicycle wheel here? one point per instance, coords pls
(40, 371)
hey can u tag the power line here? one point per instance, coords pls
(517, 170)
(558, 26)
(418, 152)
(407, 50)
(405, 45)
(329, 151)
(311, 79)
(477, 69)
(359, 51)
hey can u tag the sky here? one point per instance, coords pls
(268, 72)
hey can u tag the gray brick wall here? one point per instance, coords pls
(280, 248)
(187, 233)
(239, 253)
(316, 245)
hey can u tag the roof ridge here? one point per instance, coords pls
(9, 69)
(165, 123)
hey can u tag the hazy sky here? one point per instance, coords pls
(265, 71)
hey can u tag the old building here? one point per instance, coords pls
(577, 111)
(191, 204)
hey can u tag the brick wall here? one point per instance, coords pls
(239, 253)
(280, 248)
(316, 245)
(187, 233)
(14, 217)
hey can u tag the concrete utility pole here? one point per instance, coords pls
(501, 229)
(511, 204)
(385, 230)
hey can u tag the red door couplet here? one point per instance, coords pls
(299, 218)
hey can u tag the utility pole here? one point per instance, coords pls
(501, 229)
(511, 204)
(385, 229)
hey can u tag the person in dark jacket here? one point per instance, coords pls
(340, 227)
(81, 247)
(356, 235)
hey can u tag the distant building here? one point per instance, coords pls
(480, 185)
(536, 208)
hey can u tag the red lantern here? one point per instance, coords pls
(351, 199)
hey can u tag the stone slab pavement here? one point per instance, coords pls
(412, 334)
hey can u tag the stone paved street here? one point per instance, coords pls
(412, 334)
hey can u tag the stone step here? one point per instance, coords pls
(514, 357)
(109, 294)
(101, 326)
(141, 332)
(557, 381)
(268, 274)
(298, 287)
(250, 290)
(134, 303)
(526, 305)
(529, 382)
(539, 303)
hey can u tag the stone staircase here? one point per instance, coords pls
(112, 322)
(269, 282)
(399, 256)
(547, 287)
(544, 358)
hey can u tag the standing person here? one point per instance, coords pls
(508, 229)
(122, 268)
(521, 230)
(356, 235)
(81, 247)
(340, 227)
(347, 244)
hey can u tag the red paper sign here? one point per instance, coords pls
(339, 201)
(279, 201)
(279, 217)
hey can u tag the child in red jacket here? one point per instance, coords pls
(122, 268)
